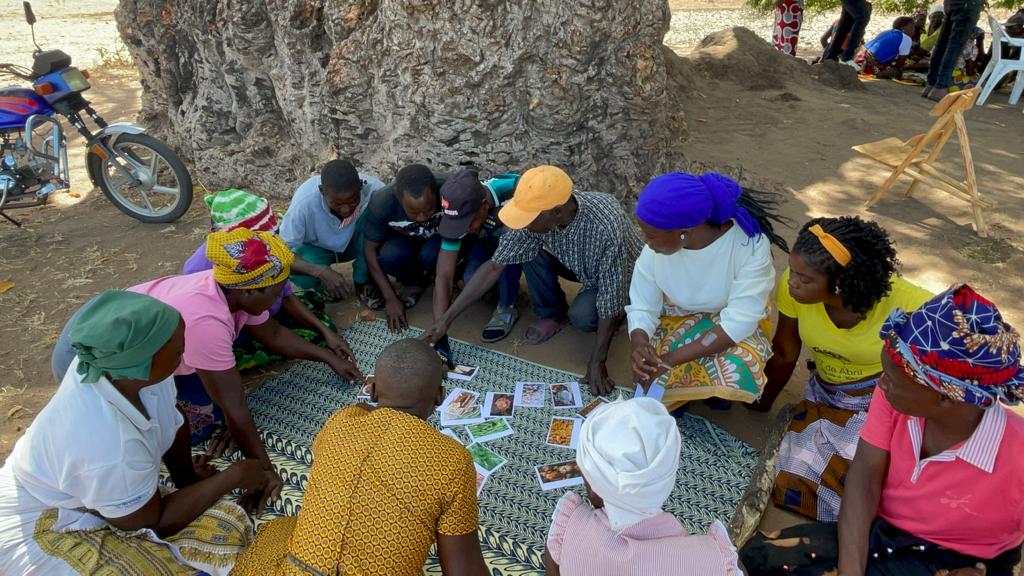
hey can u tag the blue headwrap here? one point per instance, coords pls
(678, 200)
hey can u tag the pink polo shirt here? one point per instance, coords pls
(210, 327)
(969, 498)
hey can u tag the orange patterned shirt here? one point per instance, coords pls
(383, 485)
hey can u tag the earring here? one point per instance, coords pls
(837, 290)
(682, 236)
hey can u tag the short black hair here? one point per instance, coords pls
(340, 177)
(414, 179)
(902, 21)
(868, 277)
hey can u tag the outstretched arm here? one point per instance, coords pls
(484, 279)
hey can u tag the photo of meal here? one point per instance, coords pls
(563, 432)
(559, 475)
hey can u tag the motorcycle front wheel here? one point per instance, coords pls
(145, 179)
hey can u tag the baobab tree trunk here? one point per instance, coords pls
(256, 93)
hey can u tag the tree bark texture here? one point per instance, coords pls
(258, 93)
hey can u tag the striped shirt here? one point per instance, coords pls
(969, 498)
(600, 246)
(582, 543)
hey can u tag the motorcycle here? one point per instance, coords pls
(141, 175)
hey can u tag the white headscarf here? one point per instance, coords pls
(629, 453)
(936, 8)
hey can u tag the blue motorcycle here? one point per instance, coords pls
(141, 175)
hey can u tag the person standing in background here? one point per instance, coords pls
(849, 32)
(789, 16)
(960, 21)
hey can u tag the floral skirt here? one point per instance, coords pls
(735, 374)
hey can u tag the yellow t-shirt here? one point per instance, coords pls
(383, 485)
(845, 355)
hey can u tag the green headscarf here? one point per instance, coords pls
(119, 332)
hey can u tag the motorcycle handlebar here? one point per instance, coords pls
(16, 71)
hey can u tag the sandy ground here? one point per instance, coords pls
(795, 139)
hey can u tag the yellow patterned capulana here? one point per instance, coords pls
(243, 259)
(383, 485)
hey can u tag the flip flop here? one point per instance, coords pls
(542, 330)
(500, 324)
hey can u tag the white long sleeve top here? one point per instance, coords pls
(733, 277)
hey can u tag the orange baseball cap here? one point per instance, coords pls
(539, 189)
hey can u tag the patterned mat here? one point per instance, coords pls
(514, 512)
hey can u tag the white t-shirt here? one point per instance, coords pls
(89, 447)
(733, 276)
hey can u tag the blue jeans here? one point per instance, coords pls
(854, 19)
(961, 18)
(542, 274)
(410, 260)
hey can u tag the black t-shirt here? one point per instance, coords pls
(385, 216)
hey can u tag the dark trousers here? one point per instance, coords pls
(813, 550)
(961, 18)
(410, 260)
(508, 283)
(542, 274)
(852, 23)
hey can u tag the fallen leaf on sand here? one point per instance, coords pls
(74, 194)
(6, 285)
(14, 411)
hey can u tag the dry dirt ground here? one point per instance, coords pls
(783, 130)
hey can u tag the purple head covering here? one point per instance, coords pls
(679, 200)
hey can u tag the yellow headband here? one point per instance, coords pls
(243, 259)
(833, 246)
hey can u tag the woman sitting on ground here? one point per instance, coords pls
(249, 274)
(698, 312)
(937, 486)
(304, 311)
(91, 461)
(629, 455)
(840, 286)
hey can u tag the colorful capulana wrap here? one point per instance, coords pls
(678, 200)
(243, 259)
(958, 344)
(234, 208)
(118, 333)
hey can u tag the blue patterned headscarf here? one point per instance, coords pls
(679, 200)
(958, 344)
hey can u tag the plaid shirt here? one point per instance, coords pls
(600, 246)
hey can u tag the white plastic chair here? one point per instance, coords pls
(998, 67)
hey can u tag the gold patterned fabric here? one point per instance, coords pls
(211, 543)
(735, 374)
(382, 486)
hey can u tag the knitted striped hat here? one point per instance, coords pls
(233, 208)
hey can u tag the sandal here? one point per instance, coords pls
(410, 295)
(500, 324)
(370, 297)
(542, 330)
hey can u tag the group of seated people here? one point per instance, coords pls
(900, 452)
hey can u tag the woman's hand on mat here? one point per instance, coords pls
(203, 468)
(221, 444)
(266, 486)
(338, 345)
(395, 310)
(335, 285)
(597, 378)
(346, 370)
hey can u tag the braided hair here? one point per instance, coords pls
(868, 277)
(763, 206)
